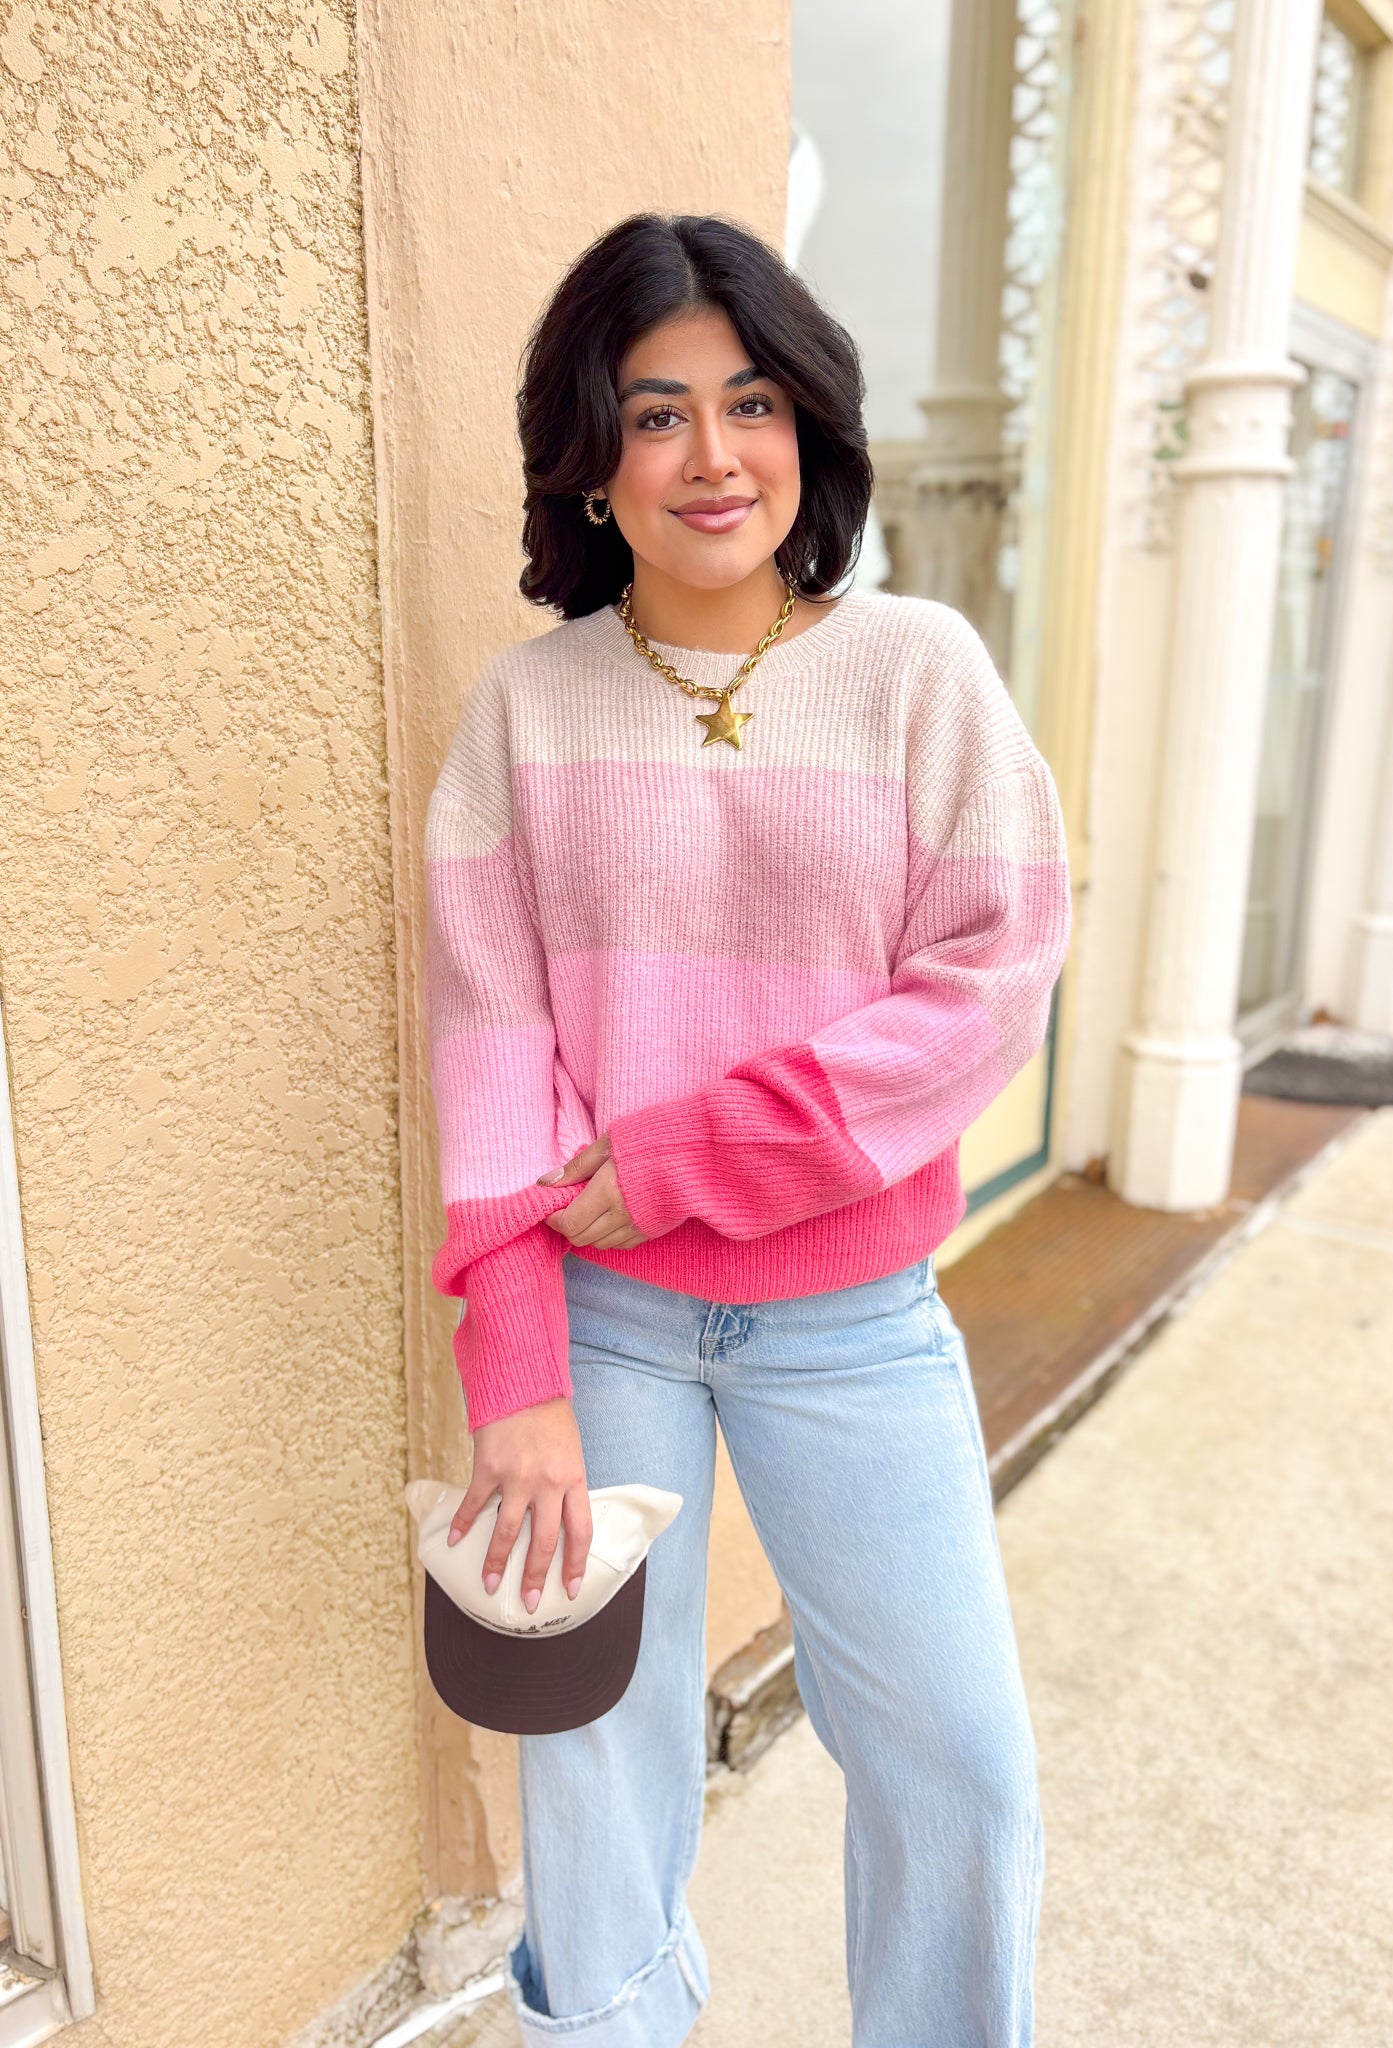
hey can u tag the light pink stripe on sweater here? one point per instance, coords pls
(495, 1096)
(687, 1020)
(887, 1075)
(484, 961)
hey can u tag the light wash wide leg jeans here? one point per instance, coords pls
(854, 1435)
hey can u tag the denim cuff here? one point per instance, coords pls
(654, 2008)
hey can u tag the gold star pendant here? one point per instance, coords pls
(724, 723)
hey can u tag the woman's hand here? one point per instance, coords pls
(534, 1459)
(598, 1215)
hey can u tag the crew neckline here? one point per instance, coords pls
(712, 665)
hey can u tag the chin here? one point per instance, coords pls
(712, 567)
(715, 575)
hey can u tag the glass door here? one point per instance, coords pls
(927, 198)
(1325, 413)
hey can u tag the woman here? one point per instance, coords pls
(746, 899)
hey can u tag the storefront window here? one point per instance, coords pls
(1302, 651)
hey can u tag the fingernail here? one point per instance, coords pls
(454, 1536)
(530, 1599)
(546, 1180)
(491, 1580)
(572, 1587)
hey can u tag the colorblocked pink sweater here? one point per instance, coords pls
(784, 978)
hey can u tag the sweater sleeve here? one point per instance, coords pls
(873, 1096)
(494, 1080)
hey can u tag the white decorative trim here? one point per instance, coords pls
(1185, 57)
(1182, 1065)
(1344, 217)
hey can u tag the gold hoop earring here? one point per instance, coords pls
(590, 501)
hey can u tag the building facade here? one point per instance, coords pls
(1120, 271)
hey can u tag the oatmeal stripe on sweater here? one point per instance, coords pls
(784, 978)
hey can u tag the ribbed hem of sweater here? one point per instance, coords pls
(880, 1234)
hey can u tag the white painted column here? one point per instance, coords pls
(959, 489)
(1182, 1068)
(1372, 1008)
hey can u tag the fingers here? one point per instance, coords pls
(477, 1497)
(575, 1516)
(546, 1522)
(531, 1459)
(506, 1531)
(609, 1234)
(579, 1167)
(610, 1231)
(598, 1215)
(549, 1508)
(619, 1239)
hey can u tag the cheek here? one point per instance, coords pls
(644, 475)
(777, 460)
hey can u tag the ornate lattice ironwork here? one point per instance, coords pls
(1033, 206)
(1335, 109)
(1034, 212)
(1187, 72)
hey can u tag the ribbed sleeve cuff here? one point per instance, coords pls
(661, 1155)
(512, 1348)
(763, 1147)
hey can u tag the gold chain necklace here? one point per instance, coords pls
(723, 723)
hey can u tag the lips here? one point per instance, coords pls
(715, 515)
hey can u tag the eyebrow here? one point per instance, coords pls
(668, 387)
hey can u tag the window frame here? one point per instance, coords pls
(51, 1977)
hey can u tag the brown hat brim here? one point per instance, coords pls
(534, 1685)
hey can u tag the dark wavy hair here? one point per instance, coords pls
(631, 278)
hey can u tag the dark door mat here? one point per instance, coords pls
(1327, 1063)
(1054, 1300)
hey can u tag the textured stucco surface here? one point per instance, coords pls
(498, 140)
(196, 958)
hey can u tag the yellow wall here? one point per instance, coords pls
(1342, 262)
(497, 142)
(196, 961)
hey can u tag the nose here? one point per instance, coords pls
(711, 456)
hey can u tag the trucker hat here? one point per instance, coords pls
(500, 1667)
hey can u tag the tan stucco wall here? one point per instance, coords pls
(498, 141)
(197, 969)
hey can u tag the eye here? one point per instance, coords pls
(656, 414)
(755, 398)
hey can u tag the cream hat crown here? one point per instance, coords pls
(625, 1522)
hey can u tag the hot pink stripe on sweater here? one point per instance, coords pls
(834, 1249)
(510, 1347)
(791, 1154)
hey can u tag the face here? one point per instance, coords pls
(702, 427)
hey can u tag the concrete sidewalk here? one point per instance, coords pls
(1200, 1573)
